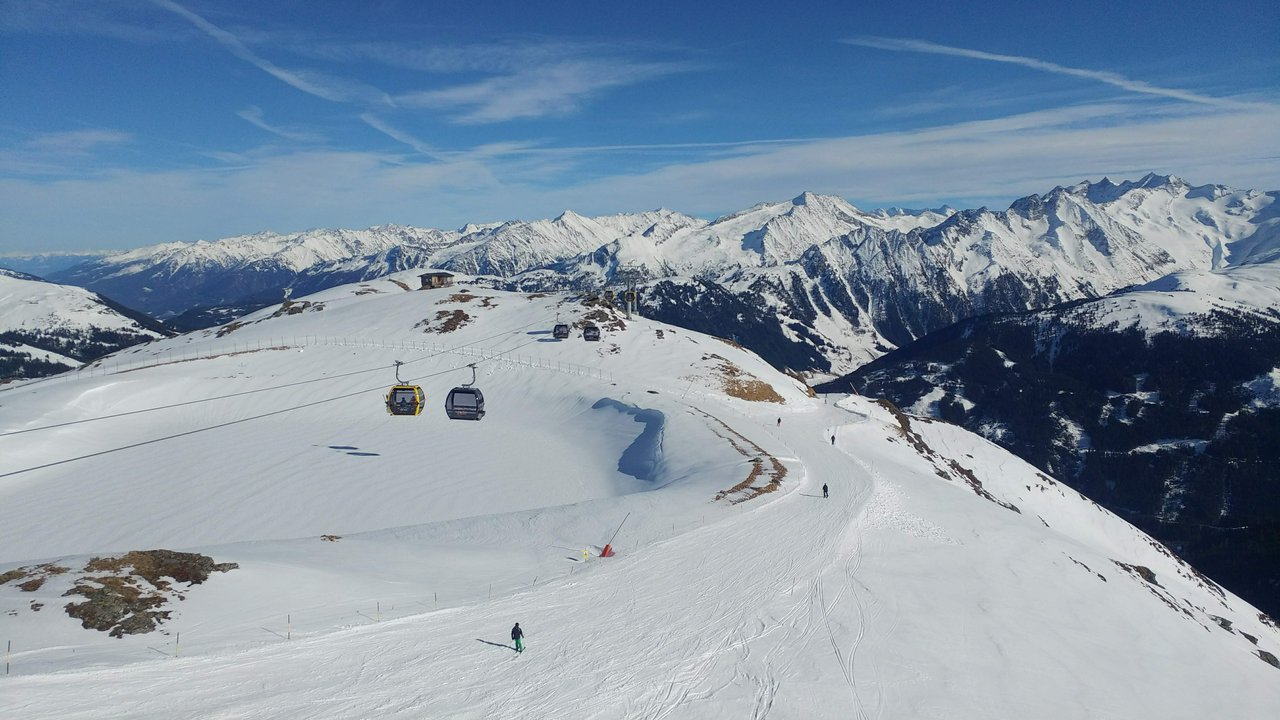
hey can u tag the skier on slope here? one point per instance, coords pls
(518, 635)
(824, 490)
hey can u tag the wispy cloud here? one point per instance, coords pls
(118, 19)
(1110, 78)
(316, 84)
(401, 136)
(968, 164)
(76, 141)
(254, 116)
(59, 152)
(552, 90)
(501, 56)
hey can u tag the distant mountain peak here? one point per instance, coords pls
(569, 216)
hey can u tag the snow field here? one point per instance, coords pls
(905, 594)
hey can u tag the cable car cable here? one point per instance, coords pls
(380, 368)
(210, 427)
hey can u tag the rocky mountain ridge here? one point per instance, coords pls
(814, 284)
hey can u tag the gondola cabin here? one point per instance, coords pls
(405, 400)
(464, 403)
(560, 332)
(591, 332)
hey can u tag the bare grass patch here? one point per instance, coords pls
(736, 382)
(33, 577)
(465, 296)
(446, 321)
(125, 595)
(762, 464)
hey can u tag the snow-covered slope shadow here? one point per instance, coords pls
(643, 458)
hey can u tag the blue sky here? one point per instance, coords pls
(133, 122)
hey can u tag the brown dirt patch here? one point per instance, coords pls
(446, 321)
(1141, 571)
(366, 290)
(403, 286)
(230, 327)
(605, 319)
(31, 585)
(762, 463)
(736, 382)
(126, 596)
(291, 307)
(32, 576)
(465, 296)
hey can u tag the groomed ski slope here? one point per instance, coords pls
(906, 594)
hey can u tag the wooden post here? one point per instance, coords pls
(177, 644)
(288, 619)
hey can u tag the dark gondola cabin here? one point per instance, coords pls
(561, 331)
(591, 332)
(405, 400)
(464, 403)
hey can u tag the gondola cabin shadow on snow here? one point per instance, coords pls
(465, 402)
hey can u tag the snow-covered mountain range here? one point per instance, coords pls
(812, 284)
(353, 564)
(47, 328)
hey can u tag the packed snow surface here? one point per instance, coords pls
(383, 560)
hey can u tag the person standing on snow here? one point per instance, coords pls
(518, 635)
(824, 494)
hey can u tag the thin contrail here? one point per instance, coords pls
(240, 50)
(1110, 78)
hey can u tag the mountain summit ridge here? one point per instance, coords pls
(850, 283)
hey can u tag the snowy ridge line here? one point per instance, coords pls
(166, 357)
